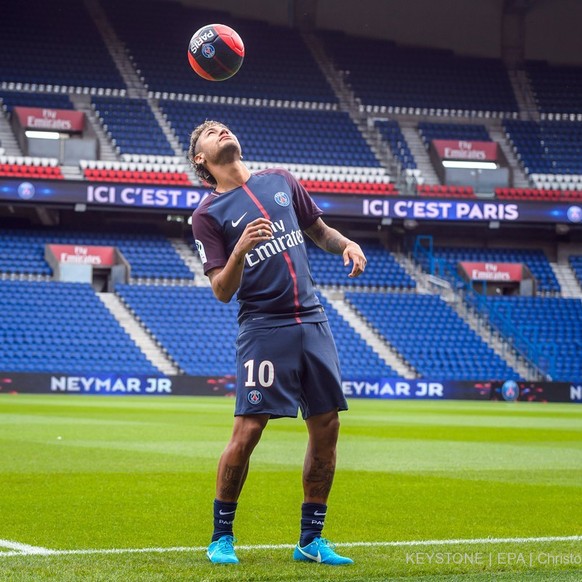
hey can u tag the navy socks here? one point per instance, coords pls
(224, 513)
(312, 519)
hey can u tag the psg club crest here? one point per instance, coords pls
(282, 199)
(254, 397)
(26, 191)
(574, 214)
(510, 391)
(208, 51)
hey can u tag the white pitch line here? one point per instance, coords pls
(34, 550)
(22, 548)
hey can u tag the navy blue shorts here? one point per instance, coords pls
(283, 369)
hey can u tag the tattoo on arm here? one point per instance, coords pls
(327, 238)
(319, 478)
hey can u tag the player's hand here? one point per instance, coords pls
(257, 231)
(354, 253)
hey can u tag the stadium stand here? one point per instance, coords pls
(539, 194)
(11, 99)
(357, 358)
(384, 74)
(382, 270)
(197, 331)
(393, 136)
(310, 137)
(348, 187)
(548, 148)
(548, 83)
(164, 68)
(63, 328)
(576, 264)
(549, 322)
(445, 191)
(29, 61)
(31, 168)
(150, 256)
(132, 126)
(535, 259)
(463, 131)
(431, 336)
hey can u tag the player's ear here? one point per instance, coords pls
(199, 158)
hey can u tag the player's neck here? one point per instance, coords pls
(230, 176)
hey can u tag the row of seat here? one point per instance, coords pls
(538, 194)
(166, 178)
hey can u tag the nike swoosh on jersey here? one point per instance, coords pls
(235, 223)
(310, 556)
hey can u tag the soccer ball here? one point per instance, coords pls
(216, 52)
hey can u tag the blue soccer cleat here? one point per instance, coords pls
(321, 551)
(222, 551)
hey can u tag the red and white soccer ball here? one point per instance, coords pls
(216, 52)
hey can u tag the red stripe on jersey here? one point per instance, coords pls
(285, 253)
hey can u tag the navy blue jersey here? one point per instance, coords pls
(277, 287)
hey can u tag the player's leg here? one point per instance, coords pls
(232, 472)
(322, 397)
(234, 461)
(319, 464)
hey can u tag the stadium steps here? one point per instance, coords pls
(171, 137)
(135, 86)
(426, 283)
(349, 103)
(381, 347)
(567, 280)
(524, 95)
(423, 163)
(72, 173)
(7, 139)
(106, 149)
(520, 180)
(495, 341)
(192, 262)
(142, 339)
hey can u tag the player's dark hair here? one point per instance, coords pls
(200, 169)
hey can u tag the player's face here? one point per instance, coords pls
(218, 145)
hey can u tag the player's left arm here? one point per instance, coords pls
(332, 241)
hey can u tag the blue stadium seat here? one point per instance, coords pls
(132, 126)
(535, 259)
(278, 64)
(382, 269)
(274, 134)
(79, 58)
(197, 331)
(63, 328)
(547, 322)
(431, 336)
(150, 255)
(383, 73)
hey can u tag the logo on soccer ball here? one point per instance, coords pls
(26, 191)
(510, 391)
(208, 51)
(282, 199)
(574, 214)
(254, 397)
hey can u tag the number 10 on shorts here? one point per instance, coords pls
(265, 374)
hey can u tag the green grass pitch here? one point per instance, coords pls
(423, 491)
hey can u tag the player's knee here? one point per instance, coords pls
(247, 434)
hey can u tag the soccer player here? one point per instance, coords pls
(249, 234)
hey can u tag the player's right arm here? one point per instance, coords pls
(226, 280)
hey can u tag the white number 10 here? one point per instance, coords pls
(266, 373)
